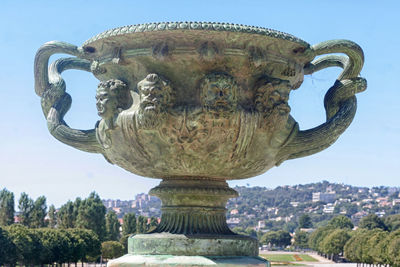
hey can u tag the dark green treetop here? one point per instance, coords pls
(341, 222)
(112, 226)
(6, 207)
(372, 221)
(129, 225)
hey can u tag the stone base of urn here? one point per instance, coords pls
(183, 261)
(193, 229)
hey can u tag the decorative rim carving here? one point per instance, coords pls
(209, 26)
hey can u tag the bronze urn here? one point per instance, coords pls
(196, 104)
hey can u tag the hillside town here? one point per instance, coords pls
(266, 209)
(263, 208)
(143, 204)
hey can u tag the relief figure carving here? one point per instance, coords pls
(271, 101)
(155, 99)
(228, 123)
(219, 94)
(112, 97)
(186, 128)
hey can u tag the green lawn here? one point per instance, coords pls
(279, 257)
(287, 257)
(306, 257)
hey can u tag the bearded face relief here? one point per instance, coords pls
(271, 101)
(155, 100)
(155, 93)
(219, 93)
(273, 96)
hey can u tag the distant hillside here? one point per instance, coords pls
(282, 206)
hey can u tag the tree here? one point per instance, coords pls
(112, 226)
(6, 207)
(333, 243)
(301, 239)
(380, 255)
(353, 249)
(112, 249)
(77, 203)
(373, 251)
(141, 224)
(251, 232)
(86, 244)
(269, 238)
(52, 216)
(393, 222)
(129, 225)
(341, 222)
(56, 246)
(39, 212)
(315, 239)
(284, 238)
(305, 221)
(78, 251)
(27, 243)
(372, 221)
(91, 215)
(393, 248)
(279, 238)
(8, 253)
(66, 217)
(290, 226)
(25, 206)
(124, 241)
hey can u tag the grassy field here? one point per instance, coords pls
(306, 257)
(288, 257)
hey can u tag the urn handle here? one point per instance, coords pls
(50, 86)
(340, 101)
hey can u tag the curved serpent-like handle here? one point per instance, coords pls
(50, 86)
(340, 101)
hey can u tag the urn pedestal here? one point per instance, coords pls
(196, 104)
(193, 229)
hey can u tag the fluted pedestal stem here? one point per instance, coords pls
(193, 206)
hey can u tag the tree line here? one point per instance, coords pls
(53, 231)
(376, 241)
(29, 246)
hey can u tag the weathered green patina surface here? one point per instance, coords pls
(196, 104)
(183, 261)
(210, 245)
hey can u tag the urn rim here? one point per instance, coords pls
(198, 26)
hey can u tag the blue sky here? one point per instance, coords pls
(32, 161)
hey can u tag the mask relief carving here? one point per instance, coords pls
(218, 93)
